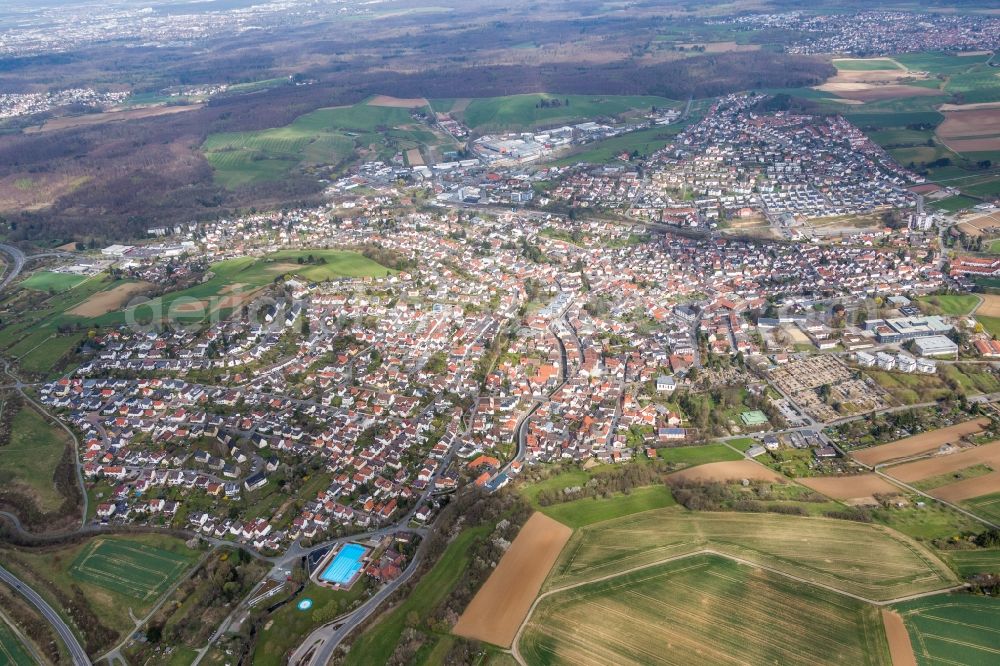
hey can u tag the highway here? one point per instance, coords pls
(15, 269)
(76, 651)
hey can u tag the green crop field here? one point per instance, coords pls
(703, 610)
(50, 281)
(698, 455)
(523, 111)
(136, 570)
(589, 510)
(29, 459)
(323, 137)
(986, 506)
(12, 650)
(953, 629)
(864, 64)
(970, 562)
(863, 559)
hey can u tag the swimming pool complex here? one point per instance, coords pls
(345, 565)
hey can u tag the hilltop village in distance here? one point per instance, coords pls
(308, 362)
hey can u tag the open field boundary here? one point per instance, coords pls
(515, 651)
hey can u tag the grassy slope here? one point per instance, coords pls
(375, 645)
(31, 457)
(324, 136)
(710, 610)
(592, 510)
(698, 455)
(863, 559)
(46, 280)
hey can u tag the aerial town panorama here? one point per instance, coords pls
(499, 333)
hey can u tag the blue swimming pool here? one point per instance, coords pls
(345, 565)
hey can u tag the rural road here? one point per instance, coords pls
(76, 651)
(18, 263)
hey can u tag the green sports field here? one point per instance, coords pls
(863, 559)
(134, 569)
(523, 111)
(50, 281)
(952, 304)
(12, 650)
(953, 629)
(703, 610)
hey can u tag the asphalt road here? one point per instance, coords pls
(76, 651)
(15, 269)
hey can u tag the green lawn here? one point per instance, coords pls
(288, 626)
(951, 304)
(953, 629)
(51, 281)
(698, 455)
(523, 111)
(586, 511)
(30, 459)
(376, 644)
(952, 204)
(704, 610)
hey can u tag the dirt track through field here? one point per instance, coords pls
(988, 454)
(729, 471)
(501, 605)
(849, 487)
(110, 116)
(918, 444)
(900, 647)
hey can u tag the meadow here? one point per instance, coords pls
(710, 610)
(951, 304)
(523, 111)
(30, 458)
(864, 559)
(953, 629)
(589, 510)
(645, 142)
(329, 136)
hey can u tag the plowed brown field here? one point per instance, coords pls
(922, 443)
(849, 487)
(502, 603)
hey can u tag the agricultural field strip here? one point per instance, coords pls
(702, 552)
(128, 568)
(926, 613)
(919, 470)
(893, 562)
